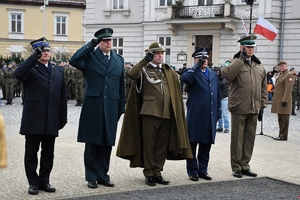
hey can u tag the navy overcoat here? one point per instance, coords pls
(45, 98)
(104, 99)
(203, 104)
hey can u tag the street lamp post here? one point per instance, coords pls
(43, 9)
(250, 2)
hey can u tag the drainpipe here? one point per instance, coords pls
(281, 31)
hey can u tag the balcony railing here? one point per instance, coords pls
(197, 12)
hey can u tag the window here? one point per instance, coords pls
(16, 54)
(166, 42)
(205, 2)
(118, 45)
(16, 23)
(165, 2)
(61, 25)
(244, 1)
(118, 4)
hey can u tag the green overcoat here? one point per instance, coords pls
(130, 143)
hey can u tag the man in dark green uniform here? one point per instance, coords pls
(78, 80)
(103, 104)
(9, 84)
(295, 90)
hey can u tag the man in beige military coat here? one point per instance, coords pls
(282, 100)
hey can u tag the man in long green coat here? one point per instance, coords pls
(154, 127)
(103, 104)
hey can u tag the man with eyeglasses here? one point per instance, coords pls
(44, 113)
(103, 104)
(248, 97)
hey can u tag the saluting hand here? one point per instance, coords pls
(149, 56)
(38, 52)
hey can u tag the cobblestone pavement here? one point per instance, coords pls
(276, 159)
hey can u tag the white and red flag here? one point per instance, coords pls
(265, 28)
(245, 27)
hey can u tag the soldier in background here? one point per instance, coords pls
(9, 83)
(127, 80)
(2, 81)
(295, 90)
(69, 77)
(18, 86)
(78, 82)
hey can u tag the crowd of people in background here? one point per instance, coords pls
(152, 92)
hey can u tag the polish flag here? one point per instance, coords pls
(265, 28)
(245, 27)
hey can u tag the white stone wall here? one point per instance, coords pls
(147, 21)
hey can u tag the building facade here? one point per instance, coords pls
(183, 26)
(26, 20)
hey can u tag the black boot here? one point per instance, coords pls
(298, 107)
(293, 112)
(77, 103)
(7, 102)
(80, 102)
(10, 103)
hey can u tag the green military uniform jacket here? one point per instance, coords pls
(130, 143)
(283, 93)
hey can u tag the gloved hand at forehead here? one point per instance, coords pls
(38, 52)
(149, 56)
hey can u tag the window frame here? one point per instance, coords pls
(205, 3)
(244, 1)
(165, 3)
(116, 48)
(118, 5)
(61, 15)
(167, 54)
(16, 12)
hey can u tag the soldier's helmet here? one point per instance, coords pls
(157, 47)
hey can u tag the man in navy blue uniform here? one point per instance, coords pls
(203, 112)
(103, 104)
(44, 113)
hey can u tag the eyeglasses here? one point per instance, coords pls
(47, 50)
(106, 41)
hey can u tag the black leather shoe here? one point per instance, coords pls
(237, 173)
(249, 173)
(226, 131)
(161, 180)
(194, 177)
(92, 184)
(150, 181)
(47, 187)
(219, 130)
(33, 189)
(280, 139)
(106, 183)
(205, 176)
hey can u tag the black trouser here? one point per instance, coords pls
(32, 144)
(96, 162)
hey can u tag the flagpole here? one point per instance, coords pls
(250, 18)
(250, 2)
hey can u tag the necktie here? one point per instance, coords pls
(107, 56)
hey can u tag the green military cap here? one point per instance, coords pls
(248, 41)
(104, 33)
(156, 46)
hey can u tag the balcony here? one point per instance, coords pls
(202, 12)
